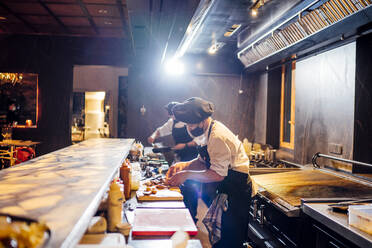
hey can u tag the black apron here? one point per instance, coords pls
(190, 188)
(234, 230)
(181, 136)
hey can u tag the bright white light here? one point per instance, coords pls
(254, 12)
(174, 67)
(212, 50)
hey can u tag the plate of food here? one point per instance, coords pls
(22, 232)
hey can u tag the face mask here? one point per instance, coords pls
(197, 131)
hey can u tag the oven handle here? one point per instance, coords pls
(319, 155)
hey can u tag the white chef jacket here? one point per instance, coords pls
(225, 150)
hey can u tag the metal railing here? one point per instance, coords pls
(319, 155)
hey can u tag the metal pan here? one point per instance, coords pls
(161, 149)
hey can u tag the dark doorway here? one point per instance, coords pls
(122, 107)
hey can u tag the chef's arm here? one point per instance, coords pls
(184, 145)
(205, 176)
(196, 165)
(153, 137)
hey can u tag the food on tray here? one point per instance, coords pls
(154, 191)
(160, 186)
(21, 234)
(154, 182)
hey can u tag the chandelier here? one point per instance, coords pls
(12, 78)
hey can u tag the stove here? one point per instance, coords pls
(276, 218)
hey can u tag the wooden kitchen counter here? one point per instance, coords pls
(63, 188)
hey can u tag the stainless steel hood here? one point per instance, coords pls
(319, 22)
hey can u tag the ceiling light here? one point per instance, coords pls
(215, 47)
(174, 67)
(12, 78)
(232, 30)
(189, 29)
(107, 22)
(256, 5)
(254, 12)
(212, 50)
(103, 11)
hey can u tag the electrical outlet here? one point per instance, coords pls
(335, 148)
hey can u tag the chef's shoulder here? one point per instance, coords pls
(221, 132)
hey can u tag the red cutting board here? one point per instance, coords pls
(162, 222)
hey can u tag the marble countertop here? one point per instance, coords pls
(338, 222)
(63, 188)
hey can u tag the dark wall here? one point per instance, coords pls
(53, 59)
(363, 100)
(325, 88)
(324, 104)
(233, 109)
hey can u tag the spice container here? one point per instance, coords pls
(126, 177)
(115, 207)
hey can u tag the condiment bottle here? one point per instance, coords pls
(125, 176)
(115, 206)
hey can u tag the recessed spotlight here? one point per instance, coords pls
(215, 47)
(254, 12)
(232, 30)
(103, 11)
(212, 50)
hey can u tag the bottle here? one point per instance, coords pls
(126, 177)
(115, 206)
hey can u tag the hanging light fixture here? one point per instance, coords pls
(12, 78)
(256, 5)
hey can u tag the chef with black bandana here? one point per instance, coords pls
(185, 150)
(184, 147)
(221, 159)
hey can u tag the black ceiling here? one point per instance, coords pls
(159, 25)
(99, 18)
(154, 28)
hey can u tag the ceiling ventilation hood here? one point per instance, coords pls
(318, 22)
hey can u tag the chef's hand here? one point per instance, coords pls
(179, 146)
(174, 169)
(178, 178)
(151, 139)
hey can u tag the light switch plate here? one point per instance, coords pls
(335, 148)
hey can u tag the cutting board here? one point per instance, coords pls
(293, 186)
(173, 194)
(162, 222)
(161, 204)
(154, 243)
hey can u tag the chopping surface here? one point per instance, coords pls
(162, 222)
(292, 186)
(166, 194)
(63, 188)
